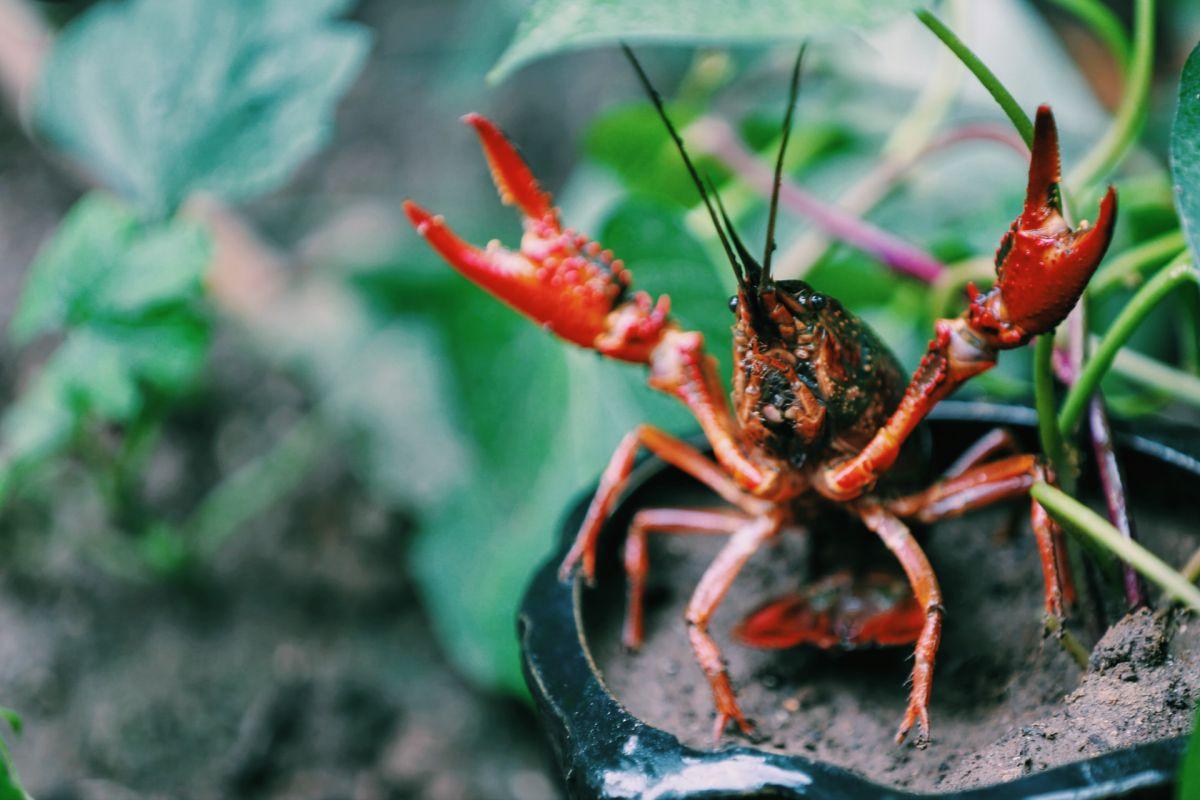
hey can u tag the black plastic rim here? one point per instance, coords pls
(605, 752)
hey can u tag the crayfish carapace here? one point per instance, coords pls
(820, 406)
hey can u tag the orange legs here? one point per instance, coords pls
(709, 593)
(637, 558)
(982, 485)
(925, 586)
(676, 453)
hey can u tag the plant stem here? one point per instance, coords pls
(1104, 24)
(716, 138)
(253, 487)
(1112, 482)
(1123, 327)
(1007, 102)
(1072, 645)
(874, 185)
(1043, 391)
(1107, 153)
(1081, 519)
(1125, 270)
(1150, 372)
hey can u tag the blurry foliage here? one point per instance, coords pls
(163, 98)
(551, 26)
(125, 296)
(158, 99)
(1185, 151)
(10, 783)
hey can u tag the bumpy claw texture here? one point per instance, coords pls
(1042, 265)
(559, 278)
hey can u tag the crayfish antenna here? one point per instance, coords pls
(793, 93)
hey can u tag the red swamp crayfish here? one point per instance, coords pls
(820, 409)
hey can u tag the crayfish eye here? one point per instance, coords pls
(733, 304)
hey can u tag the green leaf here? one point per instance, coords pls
(564, 411)
(1189, 772)
(10, 784)
(162, 98)
(1185, 152)
(553, 26)
(125, 293)
(103, 263)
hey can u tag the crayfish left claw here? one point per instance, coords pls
(1042, 265)
(559, 278)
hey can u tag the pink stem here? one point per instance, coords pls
(718, 139)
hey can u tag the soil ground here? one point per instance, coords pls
(1005, 702)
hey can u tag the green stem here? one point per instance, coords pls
(252, 488)
(1126, 269)
(1081, 519)
(1104, 24)
(1043, 392)
(1072, 645)
(1107, 153)
(1007, 102)
(1154, 374)
(1123, 327)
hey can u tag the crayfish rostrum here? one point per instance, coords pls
(820, 409)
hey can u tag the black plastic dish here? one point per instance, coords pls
(605, 752)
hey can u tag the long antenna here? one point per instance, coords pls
(691, 168)
(793, 93)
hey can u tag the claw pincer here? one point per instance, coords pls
(559, 278)
(1042, 265)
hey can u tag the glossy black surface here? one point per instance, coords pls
(604, 752)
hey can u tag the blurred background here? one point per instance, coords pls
(266, 520)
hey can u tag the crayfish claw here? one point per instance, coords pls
(511, 174)
(1042, 264)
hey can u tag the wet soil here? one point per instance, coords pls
(1006, 702)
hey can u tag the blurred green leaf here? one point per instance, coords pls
(544, 418)
(103, 263)
(1189, 772)
(124, 294)
(166, 97)
(1185, 152)
(553, 26)
(10, 784)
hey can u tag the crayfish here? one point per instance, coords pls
(820, 408)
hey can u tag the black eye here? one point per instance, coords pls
(817, 302)
(733, 304)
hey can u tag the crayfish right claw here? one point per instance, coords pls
(1042, 265)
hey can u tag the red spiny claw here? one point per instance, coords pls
(560, 279)
(1042, 265)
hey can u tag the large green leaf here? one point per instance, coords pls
(165, 97)
(1189, 772)
(1185, 152)
(555, 25)
(544, 417)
